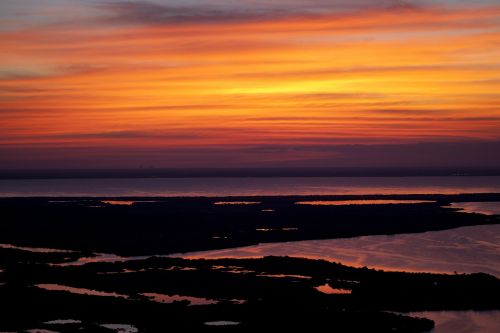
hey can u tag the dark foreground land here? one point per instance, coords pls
(172, 225)
(38, 290)
(273, 293)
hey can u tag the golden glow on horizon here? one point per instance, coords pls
(365, 77)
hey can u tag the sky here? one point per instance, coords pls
(249, 83)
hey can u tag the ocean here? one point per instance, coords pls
(246, 186)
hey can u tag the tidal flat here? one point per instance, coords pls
(132, 226)
(143, 290)
(271, 292)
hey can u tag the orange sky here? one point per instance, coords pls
(114, 79)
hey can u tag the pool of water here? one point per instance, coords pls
(79, 291)
(167, 299)
(487, 208)
(360, 202)
(463, 250)
(462, 321)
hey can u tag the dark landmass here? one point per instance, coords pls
(249, 172)
(275, 293)
(171, 225)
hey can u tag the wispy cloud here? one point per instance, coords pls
(247, 82)
(436, 154)
(178, 12)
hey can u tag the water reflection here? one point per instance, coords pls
(34, 249)
(63, 322)
(360, 202)
(167, 299)
(462, 321)
(222, 203)
(100, 257)
(464, 250)
(276, 229)
(247, 186)
(118, 202)
(222, 323)
(485, 207)
(79, 291)
(293, 276)
(327, 289)
(126, 202)
(121, 328)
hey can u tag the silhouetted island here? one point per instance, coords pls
(140, 225)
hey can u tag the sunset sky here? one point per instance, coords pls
(206, 83)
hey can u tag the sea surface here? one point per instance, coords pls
(246, 186)
(462, 250)
(462, 321)
(471, 249)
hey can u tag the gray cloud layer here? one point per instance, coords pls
(162, 12)
(432, 154)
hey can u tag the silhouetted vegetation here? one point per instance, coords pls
(276, 293)
(273, 292)
(172, 225)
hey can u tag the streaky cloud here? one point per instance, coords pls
(177, 12)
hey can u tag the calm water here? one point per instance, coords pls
(487, 208)
(247, 186)
(463, 250)
(79, 291)
(462, 321)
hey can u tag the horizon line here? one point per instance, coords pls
(268, 172)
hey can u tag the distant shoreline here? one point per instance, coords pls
(437, 197)
(249, 172)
